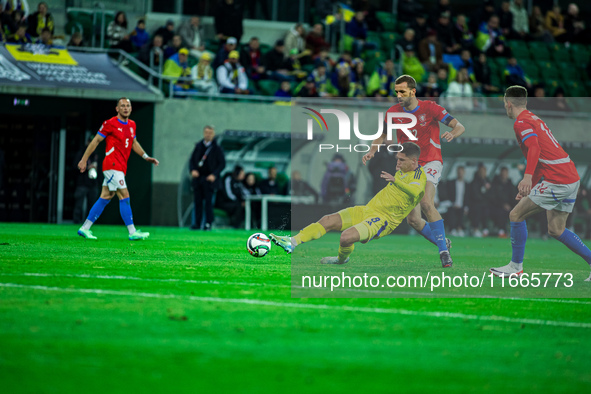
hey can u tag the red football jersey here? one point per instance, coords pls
(554, 164)
(119, 137)
(428, 114)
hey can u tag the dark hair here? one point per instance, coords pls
(45, 29)
(410, 149)
(236, 171)
(124, 24)
(141, 21)
(410, 81)
(516, 95)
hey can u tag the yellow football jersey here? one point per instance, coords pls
(400, 197)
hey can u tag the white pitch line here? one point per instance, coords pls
(215, 282)
(200, 282)
(449, 315)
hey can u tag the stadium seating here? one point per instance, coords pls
(388, 20)
(560, 53)
(539, 51)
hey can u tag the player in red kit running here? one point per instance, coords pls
(556, 194)
(120, 134)
(429, 114)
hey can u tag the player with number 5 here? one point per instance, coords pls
(120, 133)
(429, 114)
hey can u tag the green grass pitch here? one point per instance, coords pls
(194, 312)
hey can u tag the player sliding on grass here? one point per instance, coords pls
(428, 115)
(556, 194)
(120, 133)
(376, 219)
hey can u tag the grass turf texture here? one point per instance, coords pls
(199, 333)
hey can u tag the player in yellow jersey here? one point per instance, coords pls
(378, 218)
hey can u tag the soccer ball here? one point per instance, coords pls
(258, 245)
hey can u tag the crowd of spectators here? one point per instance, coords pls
(445, 52)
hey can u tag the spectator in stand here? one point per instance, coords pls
(21, 36)
(11, 21)
(323, 83)
(192, 36)
(583, 210)
(177, 66)
(430, 89)
(342, 79)
(520, 20)
(338, 182)
(202, 75)
(463, 35)
(269, 185)
(537, 26)
(45, 38)
(315, 41)
(458, 192)
(228, 20)
(575, 26)
(419, 25)
(233, 195)
(222, 55)
(430, 52)
(407, 42)
(87, 188)
(482, 74)
(358, 79)
(251, 188)
(307, 88)
(445, 34)
(480, 201)
(299, 187)
(251, 59)
(294, 65)
(504, 200)
(10, 6)
(442, 78)
(357, 28)
(408, 10)
(490, 39)
(139, 35)
(381, 82)
(561, 104)
(76, 40)
(555, 24)
(482, 15)
(275, 63)
(325, 59)
(294, 39)
(369, 11)
(442, 7)
(460, 93)
(252, 8)
(117, 33)
(173, 46)
(205, 165)
(506, 20)
(514, 74)
(539, 101)
(411, 65)
(284, 90)
(40, 20)
(251, 185)
(231, 76)
(166, 32)
(144, 55)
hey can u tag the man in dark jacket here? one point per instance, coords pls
(86, 185)
(206, 164)
(503, 201)
(228, 20)
(233, 196)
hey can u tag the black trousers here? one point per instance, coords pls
(203, 190)
(81, 194)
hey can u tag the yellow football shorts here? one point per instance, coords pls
(369, 223)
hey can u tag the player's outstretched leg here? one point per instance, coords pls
(309, 233)
(93, 215)
(126, 215)
(346, 247)
(518, 239)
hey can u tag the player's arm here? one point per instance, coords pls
(89, 151)
(413, 189)
(533, 156)
(374, 147)
(457, 129)
(137, 148)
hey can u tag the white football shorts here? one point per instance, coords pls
(114, 180)
(433, 171)
(551, 196)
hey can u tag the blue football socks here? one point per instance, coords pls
(439, 234)
(574, 243)
(518, 239)
(125, 210)
(97, 209)
(426, 232)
